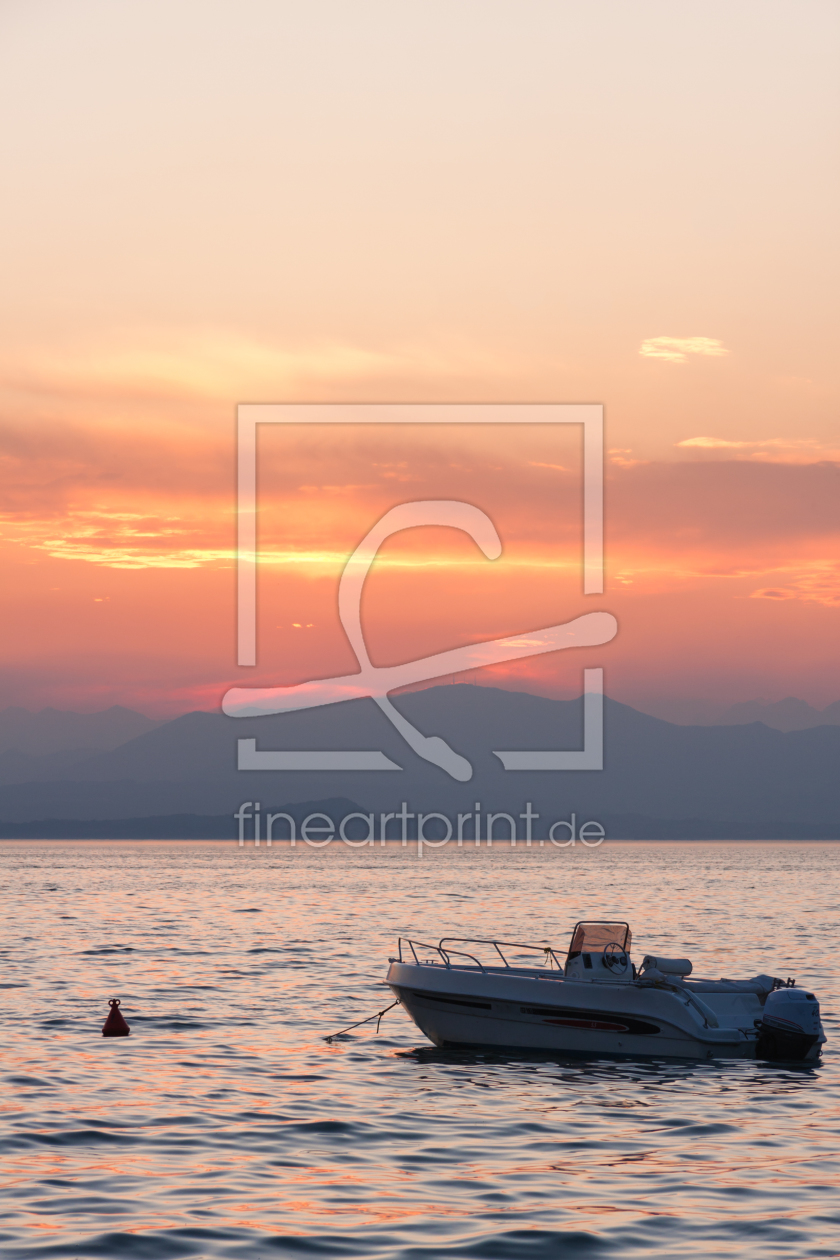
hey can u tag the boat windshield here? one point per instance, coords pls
(595, 937)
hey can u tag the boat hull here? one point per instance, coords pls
(462, 1007)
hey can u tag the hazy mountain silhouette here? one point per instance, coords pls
(163, 827)
(23, 767)
(723, 778)
(57, 730)
(790, 714)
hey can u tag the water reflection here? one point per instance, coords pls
(226, 1126)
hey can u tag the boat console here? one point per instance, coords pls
(600, 951)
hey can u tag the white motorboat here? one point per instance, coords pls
(596, 1002)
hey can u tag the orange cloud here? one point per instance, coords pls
(819, 585)
(677, 349)
(119, 551)
(766, 450)
(198, 371)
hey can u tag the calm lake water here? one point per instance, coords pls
(225, 1126)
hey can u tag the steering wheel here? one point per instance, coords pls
(615, 958)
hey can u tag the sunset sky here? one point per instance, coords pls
(485, 201)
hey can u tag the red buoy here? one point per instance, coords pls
(115, 1025)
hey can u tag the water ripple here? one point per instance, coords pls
(225, 1126)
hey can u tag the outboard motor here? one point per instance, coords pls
(790, 1027)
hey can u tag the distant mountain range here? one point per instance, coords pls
(660, 779)
(790, 714)
(58, 730)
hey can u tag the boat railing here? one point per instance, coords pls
(443, 955)
(445, 951)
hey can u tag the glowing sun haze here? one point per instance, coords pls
(270, 201)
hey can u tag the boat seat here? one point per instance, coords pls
(760, 985)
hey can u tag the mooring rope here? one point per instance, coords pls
(378, 1019)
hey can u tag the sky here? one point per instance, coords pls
(213, 203)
